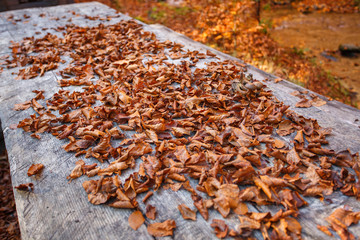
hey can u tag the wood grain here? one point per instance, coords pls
(60, 210)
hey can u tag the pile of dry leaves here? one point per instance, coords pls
(145, 106)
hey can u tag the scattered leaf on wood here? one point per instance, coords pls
(324, 230)
(304, 103)
(77, 171)
(186, 212)
(318, 102)
(220, 228)
(22, 106)
(136, 219)
(341, 219)
(150, 211)
(35, 169)
(162, 229)
(25, 187)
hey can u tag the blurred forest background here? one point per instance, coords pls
(295, 40)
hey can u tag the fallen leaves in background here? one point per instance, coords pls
(339, 6)
(233, 27)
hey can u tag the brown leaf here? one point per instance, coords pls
(152, 165)
(100, 191)
(139, 149)
(152, 135)
(318, 102)
(115, 167)
(344, 217)
(324, 230)
(121, 204)
(77, 171)
(200, 204)
(220, 228)
(150, 211)
(22, 106)
(25, 187)
(158, 125)
(98, 198)
(285, 128)
(147, 196)
(263, 186)
(162, 229)
(136, 219)
(299, 137)
(181, 153)
(279, 144)
(292, 157)
(186, 212)
(304, 103)
(179, 132)
(246, 222)
(35, 169)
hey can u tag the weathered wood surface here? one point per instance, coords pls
(60, 210)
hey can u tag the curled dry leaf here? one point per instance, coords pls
(179, 132)
(147, 196)
(220, 228)
(186, 212)
(341, 219)
(113, 168)
(246, 222)
(35, 169)
(304, 103)
(317, 102)
(200, 204)
(181, 153)
(100, 191)
(77, 171)
(22, 106)
(150, 211)
(299, 137)
(279, 143)
(162, 229)
(25, 187)
(324, 230)
(285, 128)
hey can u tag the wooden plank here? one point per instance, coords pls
(60, 210)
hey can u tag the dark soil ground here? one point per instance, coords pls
(9, 226)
